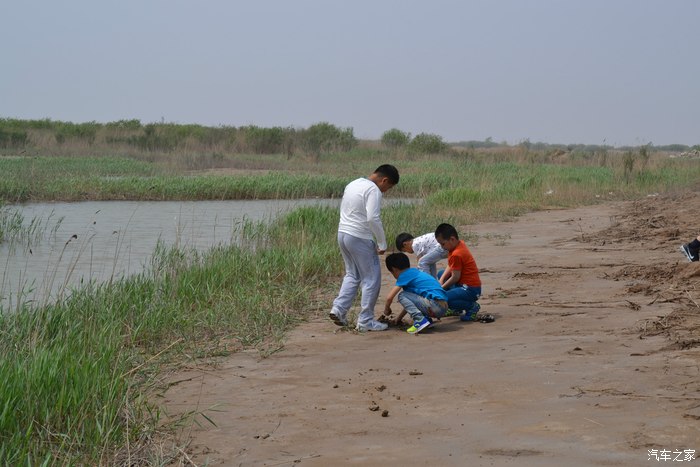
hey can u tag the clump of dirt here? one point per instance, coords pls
(651, 273)
(531, 275)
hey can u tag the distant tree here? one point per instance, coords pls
(13, 138)
(264, 140)
(427, 143)
(325, 137)
(290, 142)
(133, 124)
(395, 138)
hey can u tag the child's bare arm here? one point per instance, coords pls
(445, 275)
(453, 279)
(399, 318)
(390, 298)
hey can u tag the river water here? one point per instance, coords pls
(103, 240)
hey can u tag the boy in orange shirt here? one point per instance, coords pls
(461, 278)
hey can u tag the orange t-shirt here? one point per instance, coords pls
(461, 259)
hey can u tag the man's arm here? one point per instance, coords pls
(373, 206)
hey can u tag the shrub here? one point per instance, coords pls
(324, 137)
(77, 131)
(13, 138)
(395, 138)
(133, 124)
(153, 140)
(264, 140)
(426, 143)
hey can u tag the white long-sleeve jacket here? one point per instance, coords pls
(359, 211)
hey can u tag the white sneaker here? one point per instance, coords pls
(338, 318)
(372, 325)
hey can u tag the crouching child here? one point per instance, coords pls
(426, 248)
(461, 278)
(420, 294)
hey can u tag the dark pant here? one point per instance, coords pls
(461, 297)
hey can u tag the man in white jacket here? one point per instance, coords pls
(360, 225)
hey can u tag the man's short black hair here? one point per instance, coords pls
(445, 231)
(397, 260)
(401, 239)
(389, 171)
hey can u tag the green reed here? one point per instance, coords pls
(15, 230)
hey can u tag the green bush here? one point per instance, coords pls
(395, 138)
(153, 140)
(427, 143)
(324, 137)
(264, 140)
(133, 124)
(77, 131)
(13, 138)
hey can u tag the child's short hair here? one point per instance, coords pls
(445, 231)
(401, 239)
(397, 260)
(389, 171)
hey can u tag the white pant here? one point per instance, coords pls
(361, 269)
(427, 262)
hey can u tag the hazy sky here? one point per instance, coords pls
(558, 71)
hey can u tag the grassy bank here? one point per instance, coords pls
(78, 375)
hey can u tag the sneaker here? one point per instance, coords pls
(470, 315)
(419, 326)
(338, 318)
(692, 255)
(450, 313)
(372, 325)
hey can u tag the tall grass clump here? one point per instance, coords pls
(61, 376)
(10, 223)
(14, 230)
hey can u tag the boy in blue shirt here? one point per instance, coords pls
(420, 294)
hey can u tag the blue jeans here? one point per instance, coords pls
(361, 270)
(418, 306)
(427, 262)
(461, 297)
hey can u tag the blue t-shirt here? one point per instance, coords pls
(421, 283)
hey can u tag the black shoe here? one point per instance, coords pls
(692, 255)
(486, 318)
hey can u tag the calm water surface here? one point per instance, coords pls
(102, 240)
